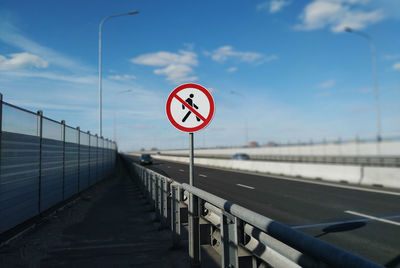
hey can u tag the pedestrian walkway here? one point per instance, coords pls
(111, 225)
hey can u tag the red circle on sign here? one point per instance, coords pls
(173, 95)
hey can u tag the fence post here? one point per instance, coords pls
(1, 124)
(63, 141)
(154, 192)
(165, 203)
(194, 231)
(40, 134)
(150, 191)
(89, 163)
(158, 196)
(175, 215)
(229, 241)
(97, 158)
(79, 157)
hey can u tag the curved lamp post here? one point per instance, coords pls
(100, 83)
(376, 89)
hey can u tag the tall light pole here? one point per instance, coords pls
(376, 89)
(100, 82)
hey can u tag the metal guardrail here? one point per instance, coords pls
(382, 161)
(242, 237)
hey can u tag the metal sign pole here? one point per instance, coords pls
(194, 227)
(191, 161)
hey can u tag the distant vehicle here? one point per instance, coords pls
(146, 159)
(241, 156)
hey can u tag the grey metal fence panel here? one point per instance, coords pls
(108, 156)
(71, 157)
(19, 179)
(93, 160)
(52, 165)
(84, 164)
(41, 166)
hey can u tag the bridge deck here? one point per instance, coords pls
(110, 226)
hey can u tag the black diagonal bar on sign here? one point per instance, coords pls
(189, 107)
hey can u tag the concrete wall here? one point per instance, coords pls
(384, 148)
(383, 176)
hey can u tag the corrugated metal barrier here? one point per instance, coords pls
(43, 162)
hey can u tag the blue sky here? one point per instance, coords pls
(279, 70)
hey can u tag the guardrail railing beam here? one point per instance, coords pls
(232, 230)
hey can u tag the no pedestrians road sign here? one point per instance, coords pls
(190, 107)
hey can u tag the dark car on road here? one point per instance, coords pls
(241, 156)
(146, 159)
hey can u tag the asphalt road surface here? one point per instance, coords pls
(363, 221)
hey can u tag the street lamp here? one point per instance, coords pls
(376, 89)
(100, 83)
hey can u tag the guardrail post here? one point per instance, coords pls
(194, 231)
(158, 197)
(152, 190)
(144, 182)
(40, 134)
(175, 215)
(63, 168)
(229, 241)
(154, 178)
(164, 218)
(149, 186)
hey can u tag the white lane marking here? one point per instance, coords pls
(201, 175)
(372, 217)
(168, 167)
(329, 184)
(245, 186)
(323, 224)
(181, 170)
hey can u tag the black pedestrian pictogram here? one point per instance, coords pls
(190, 102)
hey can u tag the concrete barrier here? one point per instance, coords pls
(370, 176)
(385, 176)
(384, 148)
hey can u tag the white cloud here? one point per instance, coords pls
(89, 79)
(122, 77)
(273, 5)
(9, 34)
(22, 60)
(391, 56)
(262, 6)
(326, 84)
(232, 69)
(396, 66)
(177, 66)
(338, 14)
(277, 5)
(224, 53)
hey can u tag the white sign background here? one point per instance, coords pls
(199, 99)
